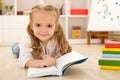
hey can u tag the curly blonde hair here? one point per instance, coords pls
(58, 35)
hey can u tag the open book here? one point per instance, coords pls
(63, 63)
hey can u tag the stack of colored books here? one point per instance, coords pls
(76, 32)
(110, 56)
(26, 11)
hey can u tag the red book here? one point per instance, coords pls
(79, 11)
(112, 44)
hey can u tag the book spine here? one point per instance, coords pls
(110, 67)
(110, 52)
(111, 49)
(111, 55)
(112, 45)
(109, 62)
(79, 11)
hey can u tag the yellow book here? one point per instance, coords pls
(76, 34)
(110, 67)
(110, 49)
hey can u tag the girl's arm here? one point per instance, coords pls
(34, 63)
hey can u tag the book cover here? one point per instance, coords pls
(63, 63)
(111, 49)
(112, 44)
(109, 61)
(110, 67)
(110, 52)
(79, 11)
(111, 55)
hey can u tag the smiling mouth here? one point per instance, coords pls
(43, 34)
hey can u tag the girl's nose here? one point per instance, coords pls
(43, 29)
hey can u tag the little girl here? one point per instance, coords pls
(45, 41)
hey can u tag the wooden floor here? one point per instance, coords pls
(11, 70)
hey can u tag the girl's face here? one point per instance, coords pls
(43, 25)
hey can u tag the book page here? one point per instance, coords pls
(68, 59)
(46, 71)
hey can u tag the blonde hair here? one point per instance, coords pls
(58, 35)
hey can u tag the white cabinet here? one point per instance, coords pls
(12, 35)
(1, 35)
(77, 15)
(12, 27)
(1, 28)
(15, 22)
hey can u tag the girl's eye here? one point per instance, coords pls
(38, 25)
(49, 26)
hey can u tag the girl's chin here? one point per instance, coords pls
(43, 39)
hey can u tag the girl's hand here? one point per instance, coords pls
(48, 60)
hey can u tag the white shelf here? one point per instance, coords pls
(62, 15)
(78, 16)
(76, 20)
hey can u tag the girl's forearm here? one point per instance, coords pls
(34, 63)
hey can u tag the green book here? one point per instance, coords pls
(108, 62)
(111, 52)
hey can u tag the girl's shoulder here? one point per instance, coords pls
(25, 39)
(26, 36)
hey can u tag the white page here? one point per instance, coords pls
(38, 72)
(68, 58)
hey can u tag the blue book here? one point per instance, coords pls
(63, 63)
(111, 55)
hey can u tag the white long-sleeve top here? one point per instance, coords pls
(25, 49)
